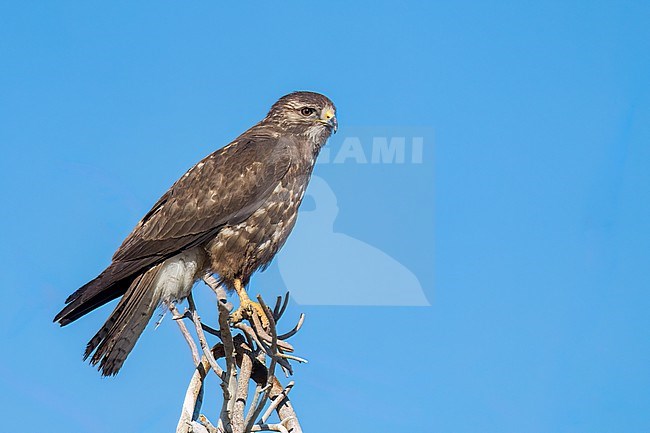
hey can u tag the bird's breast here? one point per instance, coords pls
(239, 250)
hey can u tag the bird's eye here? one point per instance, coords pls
(307, 111)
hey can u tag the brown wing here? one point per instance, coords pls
(224, 188)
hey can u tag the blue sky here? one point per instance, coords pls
(526, 224)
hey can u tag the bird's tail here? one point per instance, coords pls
(115, 340)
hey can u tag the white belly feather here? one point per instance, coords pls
(178, 274)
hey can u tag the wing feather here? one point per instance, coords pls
(224, 188)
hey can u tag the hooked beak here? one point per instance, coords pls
(329, 118)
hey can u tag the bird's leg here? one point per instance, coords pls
(247, 307)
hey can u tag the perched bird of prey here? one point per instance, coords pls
(228, 215)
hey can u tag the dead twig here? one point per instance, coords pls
(193, 396)
(185, 332)
(204, 343)
(251, 354)
(276, 401)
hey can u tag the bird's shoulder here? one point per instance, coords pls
(251, 162)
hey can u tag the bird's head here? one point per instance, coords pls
(305, 113)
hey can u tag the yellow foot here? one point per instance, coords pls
(246, 310)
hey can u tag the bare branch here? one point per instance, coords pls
(278, 311)
(251, 355)
(229, 383)
(217, 288)
(276, 401)
(269, 427)
(207, 328)
(273, 340)
(209, 426)
(193, 397)
(245, 372)
(256, 410)
(186, 333)
(204, 343)
(261, 336)
(293, 357)
(196, 427)
(294, 330)
(285, 409)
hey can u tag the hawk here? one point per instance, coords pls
(228, 215)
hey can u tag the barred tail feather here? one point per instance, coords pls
(115, 340)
